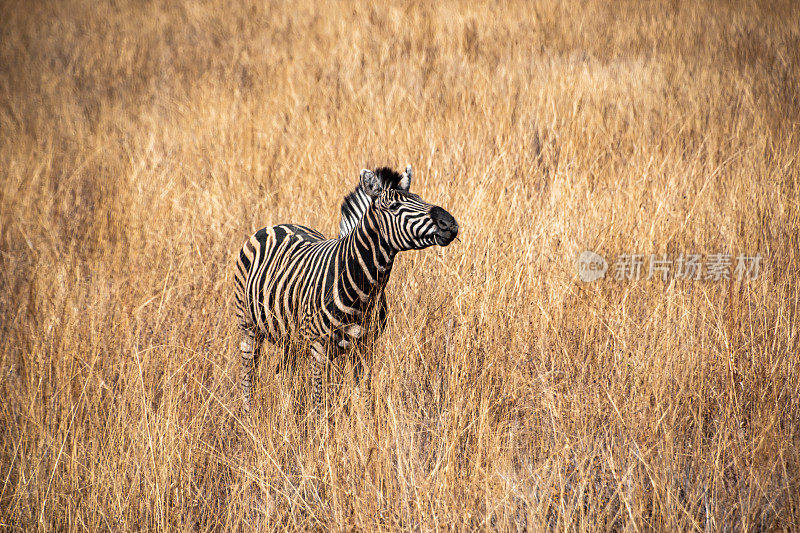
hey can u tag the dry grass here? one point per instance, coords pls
(143, 141)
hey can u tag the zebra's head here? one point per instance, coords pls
(356, 203)
(407, 221)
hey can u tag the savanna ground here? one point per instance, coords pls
(143, 141)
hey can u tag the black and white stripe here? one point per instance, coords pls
(293, 285)
(356, 203)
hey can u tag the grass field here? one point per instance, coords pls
(142, 142)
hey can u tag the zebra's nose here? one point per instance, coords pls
(444, 220)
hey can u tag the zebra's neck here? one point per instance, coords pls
(368, 255)
(353, 208)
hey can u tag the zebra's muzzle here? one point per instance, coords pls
(446, 226)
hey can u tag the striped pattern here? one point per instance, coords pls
(356, 203)
(293, 285)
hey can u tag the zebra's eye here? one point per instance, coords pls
(394, 206)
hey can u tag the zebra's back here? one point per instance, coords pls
(275, 270)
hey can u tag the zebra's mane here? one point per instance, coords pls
(356, 203)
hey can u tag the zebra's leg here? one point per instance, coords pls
(362, 373)
(362, 376)
(288, 358)
(358, 369)
(318, 357)
(251, 349)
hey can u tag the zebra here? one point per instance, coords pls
(294, 286)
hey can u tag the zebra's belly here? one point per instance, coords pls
(338, 339)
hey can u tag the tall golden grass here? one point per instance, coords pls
(142, 142)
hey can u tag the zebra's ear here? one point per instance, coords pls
(405, 180)
(370, 183)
